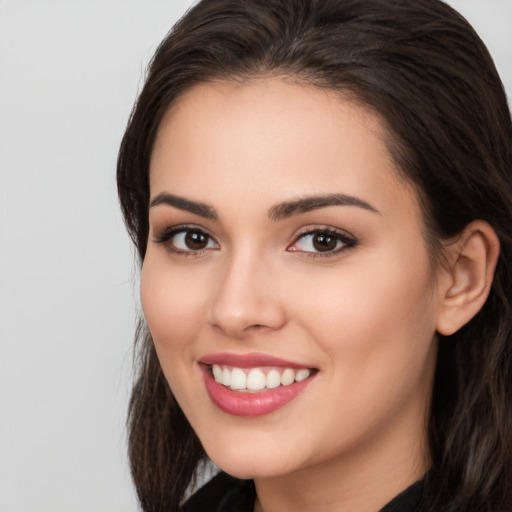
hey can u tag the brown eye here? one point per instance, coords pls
(324, 242)
(182, 240)
(196, 241)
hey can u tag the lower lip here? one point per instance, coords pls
(240, 403)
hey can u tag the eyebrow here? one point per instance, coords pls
(310, 203)
(181, 203)
(278, 212)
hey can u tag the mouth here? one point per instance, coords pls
(257, 379)
(253, 385)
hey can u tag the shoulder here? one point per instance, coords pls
(408, 500)
(223, 493)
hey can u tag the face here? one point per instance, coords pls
(287, 284)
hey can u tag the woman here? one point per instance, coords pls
(320, 194)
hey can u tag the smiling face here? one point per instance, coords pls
(287, 256)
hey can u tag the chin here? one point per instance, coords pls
(250, 470)
(250, 464)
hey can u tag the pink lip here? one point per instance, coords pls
(249, 360)
(240, 403)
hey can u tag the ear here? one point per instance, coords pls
(467, 278)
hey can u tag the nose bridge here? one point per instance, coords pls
(246, 298)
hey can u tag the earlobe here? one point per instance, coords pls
(471, 263)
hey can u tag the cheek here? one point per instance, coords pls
(377, 330)
(376, 317)
(171, 304)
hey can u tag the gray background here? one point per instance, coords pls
(69, 73)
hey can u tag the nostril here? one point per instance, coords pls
(258, 327)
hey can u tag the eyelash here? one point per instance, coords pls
(165, 238)
(348, 241)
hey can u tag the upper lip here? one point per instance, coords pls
(249, 360)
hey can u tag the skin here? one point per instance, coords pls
(365, 316)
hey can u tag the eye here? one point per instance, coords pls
(323, 242)
(184, 240)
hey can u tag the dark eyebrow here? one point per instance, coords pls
(196, 207)
(287, 209)
(278, 212)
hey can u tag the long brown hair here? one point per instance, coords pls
(424, 70)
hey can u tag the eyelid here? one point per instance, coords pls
(348, 240)
(166, 235)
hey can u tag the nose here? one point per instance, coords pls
(246, 300)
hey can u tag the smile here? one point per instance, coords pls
(257, 379)
(253, 385)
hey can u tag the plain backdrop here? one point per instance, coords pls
(69, 73)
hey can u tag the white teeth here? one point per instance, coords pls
(254, 379)
(288, 377)
(301, 375)
(226, 377)
(217, 372)
(273, 379)
(238, 379)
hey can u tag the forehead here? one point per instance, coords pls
(284, 98)
(268, 137)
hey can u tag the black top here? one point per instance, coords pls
(223, 493)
